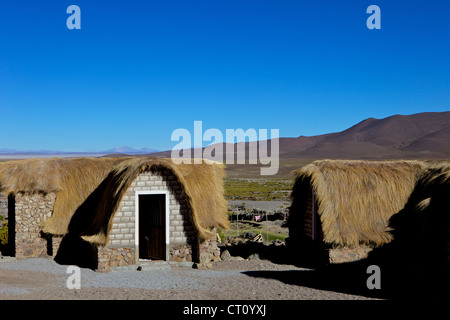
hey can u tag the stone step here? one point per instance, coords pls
(7, 259)
(154, 265)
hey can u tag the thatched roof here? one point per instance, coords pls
(355, 199)
(89, 190)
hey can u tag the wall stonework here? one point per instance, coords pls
(31, 210)
(209, 251)
(181, 253)
(114, 257)
(345, 254)
(56, 242)
(4, 205)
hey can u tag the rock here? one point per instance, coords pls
(225, 256)
(278, 243)
(248, 235)
(253, 256)
(236, 258)
(205, 257)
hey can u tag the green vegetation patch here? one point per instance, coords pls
(274, 189)
(269, 236)
(4, 234)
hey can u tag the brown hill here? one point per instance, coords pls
(422, 135)
(418, 136)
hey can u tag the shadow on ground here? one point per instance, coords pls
(399, 278)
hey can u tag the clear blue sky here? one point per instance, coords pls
(137, 70)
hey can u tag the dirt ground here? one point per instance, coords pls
(226, 280)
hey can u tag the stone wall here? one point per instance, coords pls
(181, 253)
(346, 254)
(56, 242)
(209, 252)
(110, 257)
(114, 257)
(4, 205)
(30, 211)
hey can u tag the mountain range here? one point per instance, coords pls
(417, 136)
(112, 151)
(422, 136)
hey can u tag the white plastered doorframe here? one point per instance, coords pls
(136, 220)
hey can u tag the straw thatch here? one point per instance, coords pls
(354, 199)
(89, 191)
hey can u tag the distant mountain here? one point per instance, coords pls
(131, 151)
(418, 136)
(122, 151)
(15, 151)
(422, 135)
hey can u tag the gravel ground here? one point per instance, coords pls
(44, 279)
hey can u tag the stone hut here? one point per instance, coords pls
(110, 212)
(341, 208)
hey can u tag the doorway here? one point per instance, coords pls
(152, 226)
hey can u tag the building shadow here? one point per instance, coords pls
(398, 280)
(9, 249)
(412, 266)
(91, 218)
(73, 250)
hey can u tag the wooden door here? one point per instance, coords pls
(152, 227)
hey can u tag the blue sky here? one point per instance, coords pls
(138, 70)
